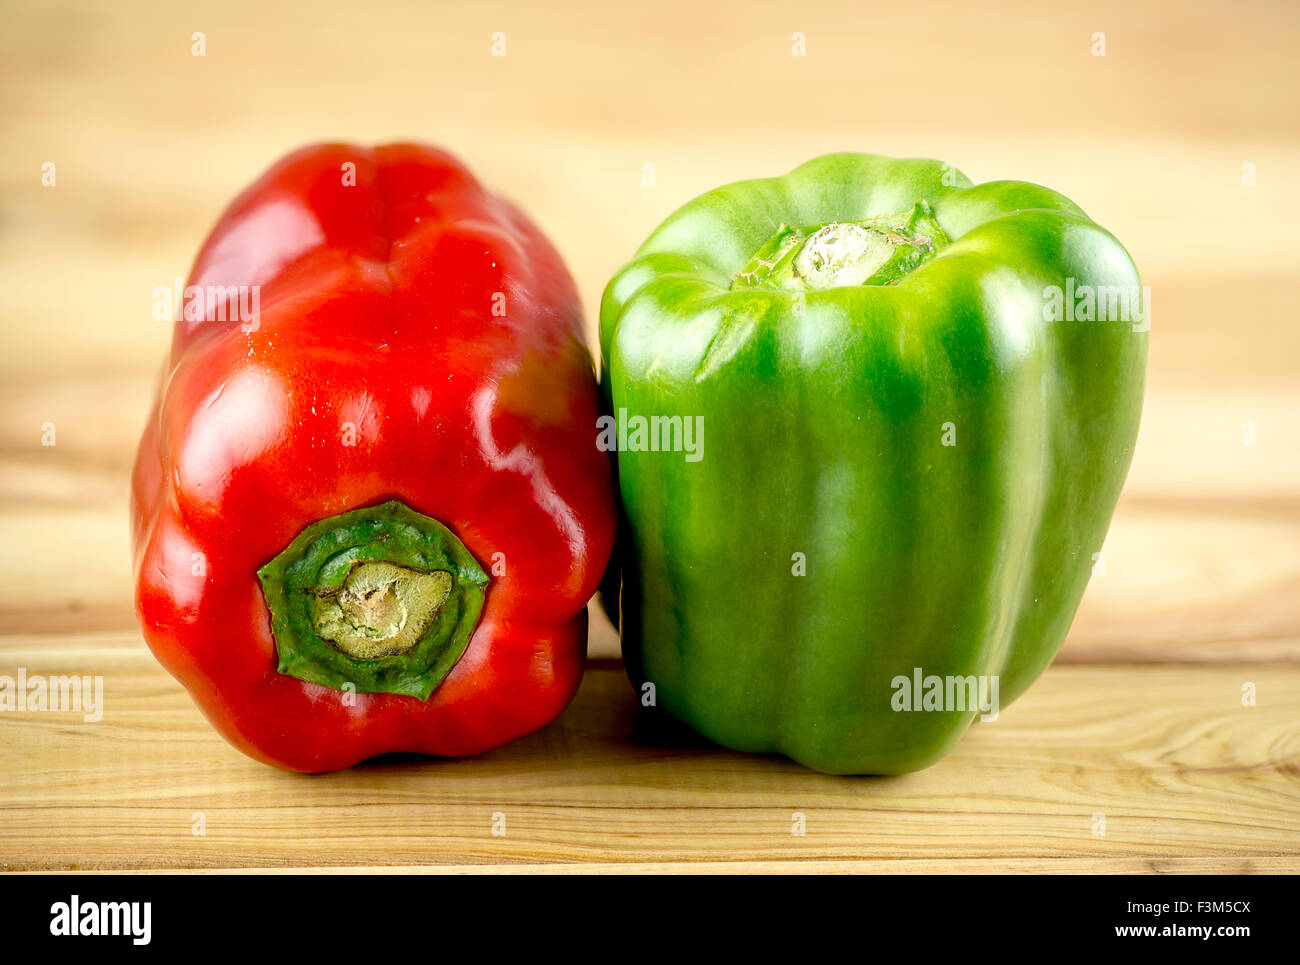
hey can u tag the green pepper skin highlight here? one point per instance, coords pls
(825, 413)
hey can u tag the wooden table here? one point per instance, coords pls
(1140, 723)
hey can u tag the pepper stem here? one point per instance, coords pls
(380, 609)
(381, 599)
(874, 252)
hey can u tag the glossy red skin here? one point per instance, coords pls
(376, 307)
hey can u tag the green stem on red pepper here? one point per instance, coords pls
(383, 599)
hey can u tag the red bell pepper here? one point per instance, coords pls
(368, 508)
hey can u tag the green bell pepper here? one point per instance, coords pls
(871, 424)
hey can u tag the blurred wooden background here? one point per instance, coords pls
(1157, 140)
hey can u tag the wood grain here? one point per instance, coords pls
(1168, 755)
(1140, 719)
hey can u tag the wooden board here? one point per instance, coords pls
(1141, 720)
(1166, 757)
